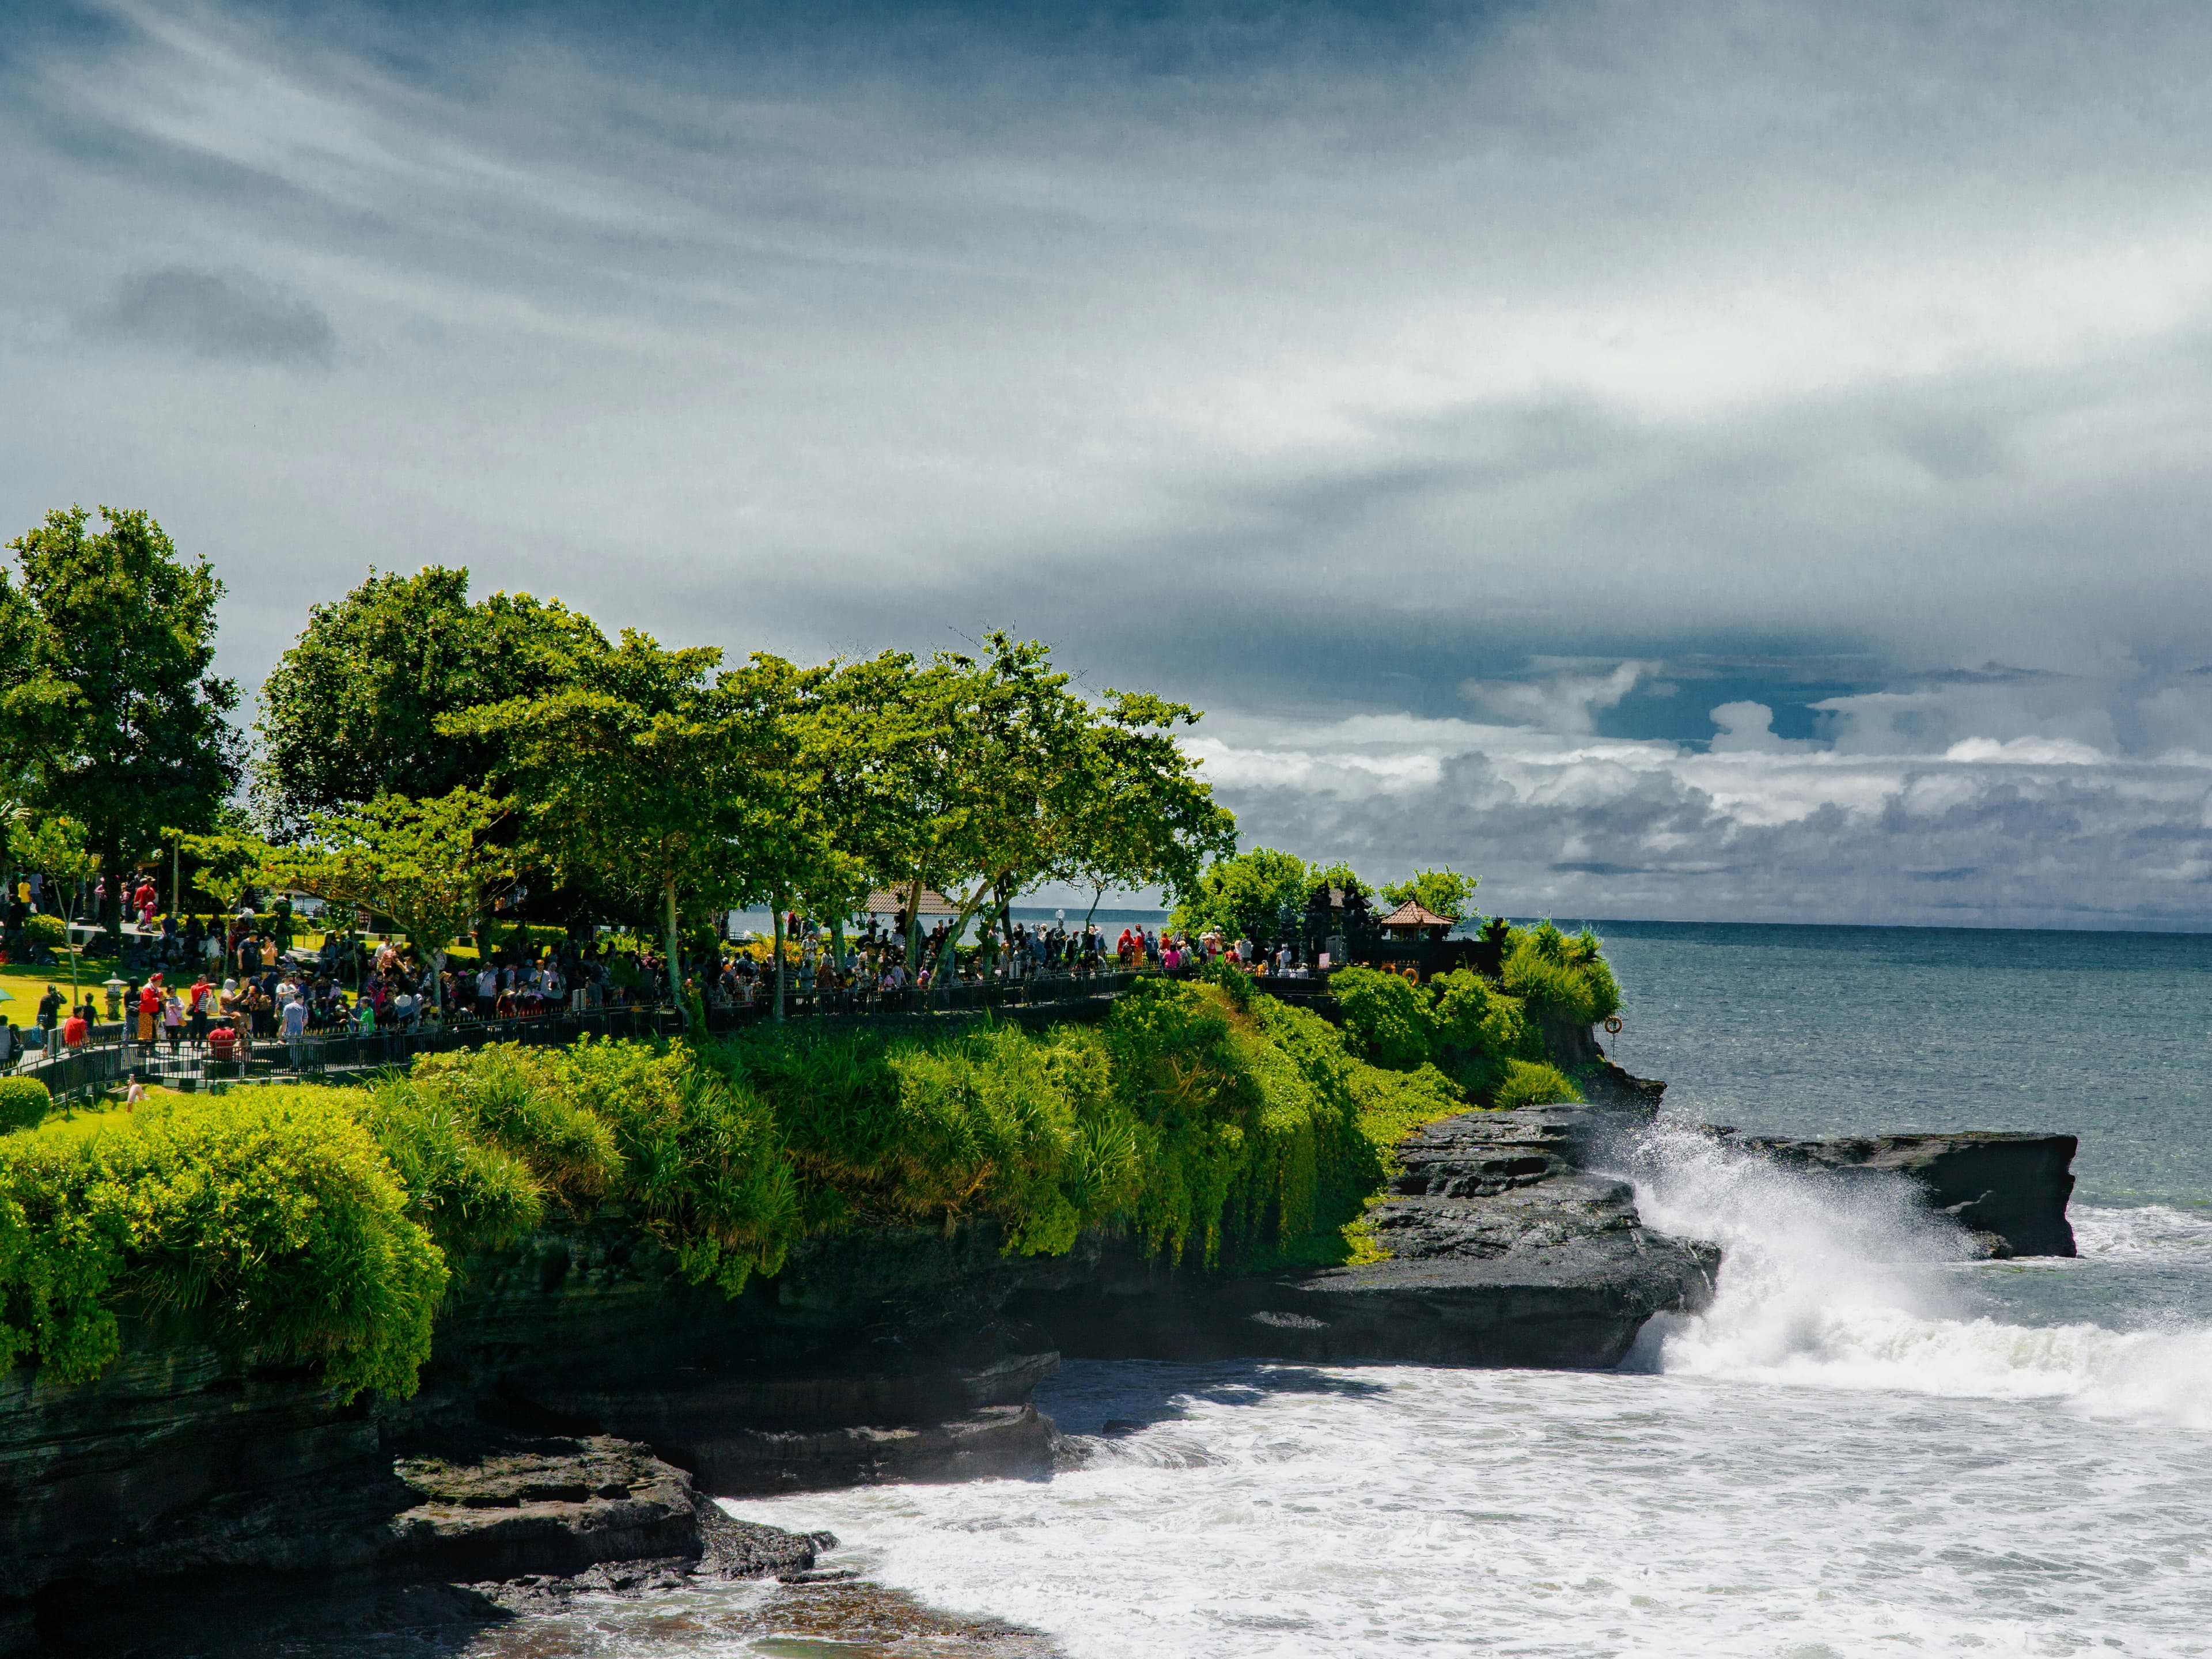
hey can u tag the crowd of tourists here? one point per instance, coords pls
(214, 986)
(877, 965)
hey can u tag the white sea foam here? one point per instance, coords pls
(1843, 1456)
(2144, 1232)
(1837, 1282)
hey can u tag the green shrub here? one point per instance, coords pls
(49, 931)
(505, 1094)
(1531, 1083)
(270, 1220)
(1386, 1018)
(702, 1162)
(1479, 1031)
(912, 1131)
(470, 1195)
(1561, 977)
(24, 1104)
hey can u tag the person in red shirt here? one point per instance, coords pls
(150, 1008)
(222, 1042)
(74, 1030)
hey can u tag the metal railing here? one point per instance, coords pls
(108, 1057)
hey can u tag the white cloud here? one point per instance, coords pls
(2024, 832)
(1298, 364)
(1558, 701)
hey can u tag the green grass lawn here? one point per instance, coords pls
(27, 984)
(83, 1119)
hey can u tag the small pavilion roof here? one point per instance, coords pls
(889, 901)
(1410, 914)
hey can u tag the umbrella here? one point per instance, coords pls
(6, 995)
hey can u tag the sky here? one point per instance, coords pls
(1734, 462)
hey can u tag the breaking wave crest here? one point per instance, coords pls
(1841, 1282)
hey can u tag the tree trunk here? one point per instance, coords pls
(913, 926)
(111, 866)
(779, 955)
(674, 966)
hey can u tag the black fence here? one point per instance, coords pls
(81, 1072)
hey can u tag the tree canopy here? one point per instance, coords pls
(426, 863)
(1441, 892)
(653, 777)
(351, 711)
(1259, 894)
(110, 712)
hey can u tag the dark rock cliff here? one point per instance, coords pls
(1503, 1251)
(2008, 1190)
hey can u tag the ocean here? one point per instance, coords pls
(1864, 1447)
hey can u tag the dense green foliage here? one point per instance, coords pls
(1441, 892)
(272, 1221)
(1561, 976)
(24, 1104)
(109, 711)
(350, 711)
(1481, 1038)
(1259, 894)
(1215, 1124)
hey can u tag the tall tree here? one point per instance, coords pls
(105, 684)
(1010, 778)
(350, 712)
(1443, 892)
(1260, 895)
(654, 777)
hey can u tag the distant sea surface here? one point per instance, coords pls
(1855, 1031)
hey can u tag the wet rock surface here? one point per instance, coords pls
(2008, 1190)
(512, 1528)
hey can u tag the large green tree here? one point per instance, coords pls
(1003, 776)
(1260, 895)
(351, 711)
(657, 778)
(110, 711)
(1442, 892)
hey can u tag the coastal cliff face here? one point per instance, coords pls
(1503, 1250)
(2008, 1190)
(185, 1497)
(582, 1403)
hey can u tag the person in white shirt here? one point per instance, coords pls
(296, 1027)
(487, 991)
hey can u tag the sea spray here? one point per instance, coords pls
(1845, 1282)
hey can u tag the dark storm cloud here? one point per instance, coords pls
(1807, 402)
(213, 314)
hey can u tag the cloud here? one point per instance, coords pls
(1748, 727)
(1557, 701)
(213, 314)
(1989, 835)
(1310, 365)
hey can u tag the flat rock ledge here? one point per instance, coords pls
(1503, 1251)
(518, 1528)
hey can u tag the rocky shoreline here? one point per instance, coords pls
(583, 1408)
